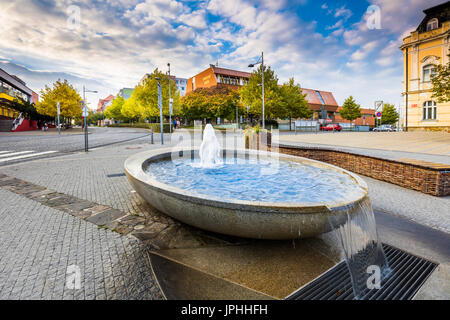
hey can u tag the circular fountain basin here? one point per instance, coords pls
(275, 210)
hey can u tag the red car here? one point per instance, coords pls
(331, 127)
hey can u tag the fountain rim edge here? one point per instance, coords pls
(133, 168)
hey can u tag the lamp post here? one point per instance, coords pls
(251, 65)
(160, 109)
(170, 104)
(86, 148)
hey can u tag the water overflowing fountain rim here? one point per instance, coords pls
(134, 167)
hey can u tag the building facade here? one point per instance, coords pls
(424, 49)
(125, 93)
(181, 85)
(326, 109)
(215, 76)
(103, 104)
(12, 87)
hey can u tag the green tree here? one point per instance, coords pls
(294, 102)
(251, 94)
(210, 103)
(115, 110)
(146, 96)
(131, 108)
(441, 83)
(350, 109)
(28, 110)
(389, 114)
(64, 93)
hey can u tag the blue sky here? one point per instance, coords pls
(324, 45)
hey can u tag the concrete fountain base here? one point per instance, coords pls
(250, 219)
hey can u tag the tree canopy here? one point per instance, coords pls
(64, 93)
(350, 109)
(114, 111)
(293, 100)
(143, 102)
(210, 103)
(28, 110)
(389, 114)
(251, 94)
(441, 83)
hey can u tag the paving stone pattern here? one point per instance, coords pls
(38, 243)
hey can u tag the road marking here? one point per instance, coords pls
(26, 156)
(14, 153)
(4, 151)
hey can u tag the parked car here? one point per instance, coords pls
(385, 128)
(331, 127)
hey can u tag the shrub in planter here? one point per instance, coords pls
(257, 138)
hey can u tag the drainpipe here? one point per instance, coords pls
(407, 82)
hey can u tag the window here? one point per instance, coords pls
(320, 98)
(432, 24)
(429, 110)
(428, 71)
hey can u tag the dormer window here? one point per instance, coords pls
(432, 24)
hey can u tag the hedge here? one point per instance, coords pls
(155, 126)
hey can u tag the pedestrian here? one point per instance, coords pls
(178, 123)
(174, 123)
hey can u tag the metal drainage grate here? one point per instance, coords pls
(409, 272)
(112, 175)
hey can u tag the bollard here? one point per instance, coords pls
(152, 136)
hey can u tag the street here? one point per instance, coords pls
(23, 146)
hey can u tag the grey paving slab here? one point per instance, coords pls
(38, 244)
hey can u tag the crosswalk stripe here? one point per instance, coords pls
(14, 154)
(26, 156)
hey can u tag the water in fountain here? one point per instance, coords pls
(209, 149)
(363, 252)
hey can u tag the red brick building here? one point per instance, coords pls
(325, 106)
(103, 104)
(367, 118)
(215, 76)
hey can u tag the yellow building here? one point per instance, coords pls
(425, 48)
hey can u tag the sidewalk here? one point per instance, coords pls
(425, 146)
(49, 222)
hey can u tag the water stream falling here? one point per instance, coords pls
(364, 254)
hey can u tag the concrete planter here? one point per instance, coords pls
(251, 219)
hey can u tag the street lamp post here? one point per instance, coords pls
(160, 109)
(86, 148)
(170, 104)
(262, 85)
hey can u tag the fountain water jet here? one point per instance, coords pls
(363, 251)
(209, 149)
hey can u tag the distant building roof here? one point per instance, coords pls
(15, 82)
(441, 12)
(230, 72)
(313, 98)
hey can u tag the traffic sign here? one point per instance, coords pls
(378, 114)
(378, 105)
(85, 112)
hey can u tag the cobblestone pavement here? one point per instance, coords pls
(39, 243)
(46, 225)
